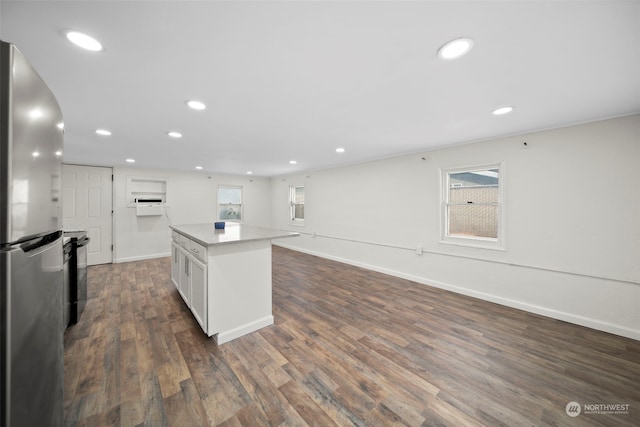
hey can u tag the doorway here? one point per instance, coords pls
(87, 204)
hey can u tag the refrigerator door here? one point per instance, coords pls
(32, 356)
(31, 140)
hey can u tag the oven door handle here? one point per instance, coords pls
(84, 241)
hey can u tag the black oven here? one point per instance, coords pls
(66, 250)
(77, 273)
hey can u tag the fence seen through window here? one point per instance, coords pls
(473, 203)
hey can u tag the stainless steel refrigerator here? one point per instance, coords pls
(31, 258)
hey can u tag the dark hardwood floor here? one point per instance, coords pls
(349, 347)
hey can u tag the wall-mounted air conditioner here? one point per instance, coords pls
(148, 207)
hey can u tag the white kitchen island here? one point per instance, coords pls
(224, 276)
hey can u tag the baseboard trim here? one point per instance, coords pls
(223, 337)
(141, 258)
(520, 305)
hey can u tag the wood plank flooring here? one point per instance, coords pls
(349, 347)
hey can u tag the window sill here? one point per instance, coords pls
(474, 243)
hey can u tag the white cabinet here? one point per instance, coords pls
(185, 281)
(189, 275)
(179, 239)
(198, 276)
(225, 277)
(180, 266)
(175, 265)
(180, 271)
(197, 250)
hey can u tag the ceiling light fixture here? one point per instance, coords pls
(174, 134)
(130, 161)
(340, 150)
(196, 105)
(293, 162)
(58, 153)
(455, 49)
(502, 111)
(84, 41)
(103, 132)
(249, 173)
(199, 167)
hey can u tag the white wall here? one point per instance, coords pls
(572, 225)
(191, 198)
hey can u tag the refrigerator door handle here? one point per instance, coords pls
(42, 244)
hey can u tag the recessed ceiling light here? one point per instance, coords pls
(60, 125)
(249, 173)
(199, 167)
(502, 111)
(130, 161)
(292, 162)
(174, 134)
(455, 48)
(84, 41)
(103, 132)
(58, 153)
(196, 105)
(35, 154)
(340, 150)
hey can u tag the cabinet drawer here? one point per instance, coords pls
(198, 251)
(180, 239)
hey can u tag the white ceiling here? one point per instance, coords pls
(287, 80)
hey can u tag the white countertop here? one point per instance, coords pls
(207, 235)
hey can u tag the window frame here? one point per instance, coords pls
(498, 243)
(292, 205)
(219, 205)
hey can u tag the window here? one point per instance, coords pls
(229, 203)
(296, 201)
(472, 206)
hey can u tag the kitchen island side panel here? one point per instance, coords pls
(240, 293)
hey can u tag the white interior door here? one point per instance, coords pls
(87, 204)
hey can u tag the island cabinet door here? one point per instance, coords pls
(199, 292)
(175, 265)
(185, 277)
